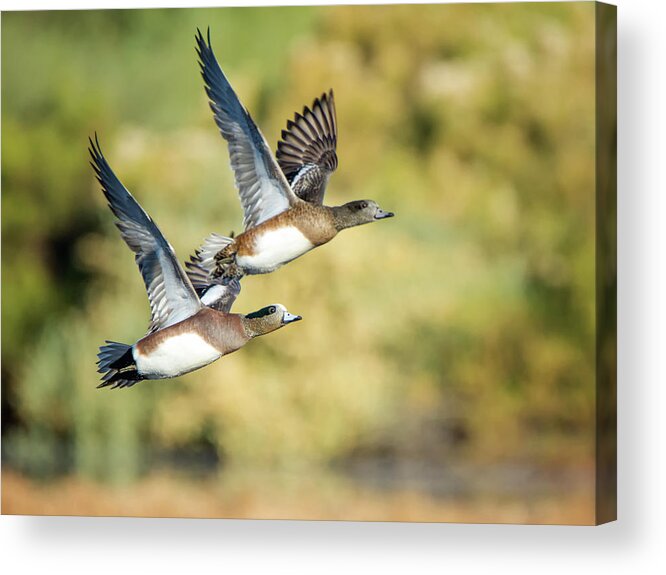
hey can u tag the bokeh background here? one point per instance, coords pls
(445, 367)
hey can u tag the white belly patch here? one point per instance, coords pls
(175, 356)
(274, 248)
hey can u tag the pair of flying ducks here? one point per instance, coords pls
(284, 217)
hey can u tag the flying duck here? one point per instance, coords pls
(186, 331)
(284, 216)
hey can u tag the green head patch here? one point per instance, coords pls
(268, 310)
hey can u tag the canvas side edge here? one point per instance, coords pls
(606, 262)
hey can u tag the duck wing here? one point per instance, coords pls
(170, 292)
(220, 293)
(306, 153)
(263, 189)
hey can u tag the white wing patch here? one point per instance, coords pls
(175, 356)
(274, 248)
(212, 294)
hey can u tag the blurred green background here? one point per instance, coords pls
(445, 367)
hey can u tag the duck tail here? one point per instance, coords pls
(116, 363)
(202, 265)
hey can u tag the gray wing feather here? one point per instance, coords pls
(263, 189)
(216, 292)
(221, 295)
(307, 151)
(171, 295)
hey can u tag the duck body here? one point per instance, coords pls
(277, 241)
(189, 345)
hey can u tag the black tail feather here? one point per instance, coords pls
(116, 363)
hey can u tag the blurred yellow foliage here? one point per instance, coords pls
(460, 331)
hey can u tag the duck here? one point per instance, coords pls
(282, 197)
(190, 327)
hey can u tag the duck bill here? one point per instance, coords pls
(381, 214)
(290, 317)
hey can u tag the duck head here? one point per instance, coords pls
(357, 213)
(268, 319)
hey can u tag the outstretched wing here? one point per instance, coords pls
(171, 295)
(263, 189)
(306, 152)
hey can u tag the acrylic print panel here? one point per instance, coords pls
(454, 363)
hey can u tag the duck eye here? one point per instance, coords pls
(271, 309)
(364, 205)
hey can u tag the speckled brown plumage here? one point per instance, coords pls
(316, 222)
